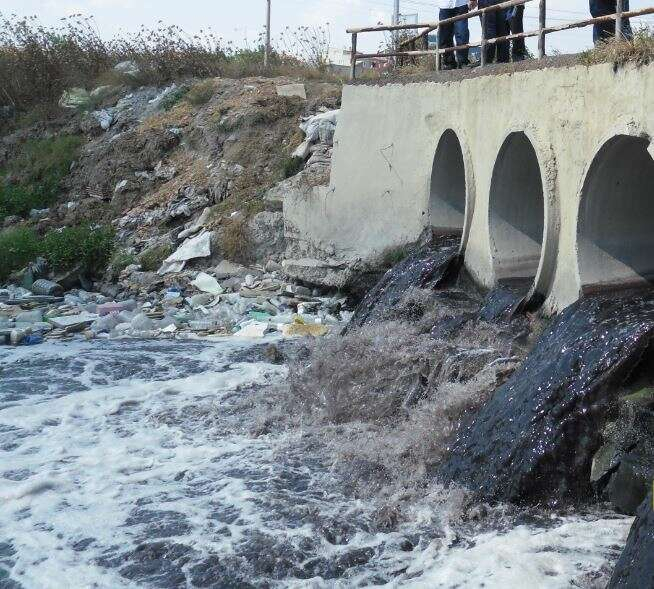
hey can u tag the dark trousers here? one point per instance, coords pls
(447, 34)
(518, 49)
(606, 30)
(496, 26)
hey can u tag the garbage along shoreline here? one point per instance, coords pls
(228, 300)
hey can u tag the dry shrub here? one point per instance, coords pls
(309, 44)
(38, 63)
(201, 93)
(235, 240)
(639, 50)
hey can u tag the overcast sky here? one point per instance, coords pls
(241, 20)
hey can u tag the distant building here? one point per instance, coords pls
(340, 61)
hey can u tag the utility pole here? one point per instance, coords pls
(396, 21)
(266, 55)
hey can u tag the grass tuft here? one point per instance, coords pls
(120, 260)
(292, 166)
(152, 258)
(201, 93)
(639, 50)
(173, 97)
(235, 240)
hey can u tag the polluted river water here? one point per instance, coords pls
(131, 463)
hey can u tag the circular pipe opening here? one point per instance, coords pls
(517, 211)
(615, 231)
(447, 197)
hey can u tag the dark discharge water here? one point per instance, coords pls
(535, 438)
(635, 568)
(427, 267)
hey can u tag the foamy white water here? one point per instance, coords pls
(131, 464)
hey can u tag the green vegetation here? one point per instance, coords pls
(292, 166)
(32, 180)
(394, 255)
(19, 246)
(173, 97)
(89, 247)
(201, 93)
(152, 258)
(120, 260)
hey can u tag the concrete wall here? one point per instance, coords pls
(516, 133)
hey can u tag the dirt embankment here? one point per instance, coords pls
(152, 162)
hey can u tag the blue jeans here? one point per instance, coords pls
(447, 34)
(606, 30)
(496, 26)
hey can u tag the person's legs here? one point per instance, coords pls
(516, 25)
(446, 37)
(627, 33)
(496, 26)
(502, 30)
(462, 34)
(490, 29)
(606, 30)
(482, 4)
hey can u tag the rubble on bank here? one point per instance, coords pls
(226, 300)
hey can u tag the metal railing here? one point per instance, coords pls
(543, 30)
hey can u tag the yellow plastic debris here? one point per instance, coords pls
(301, 330)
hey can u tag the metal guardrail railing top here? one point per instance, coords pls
(428, 27)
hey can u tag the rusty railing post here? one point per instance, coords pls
(483, 39)
(542, 23)
(353, 58)
(618, 20)
(438, 49)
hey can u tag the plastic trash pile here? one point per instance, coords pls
(243, 302)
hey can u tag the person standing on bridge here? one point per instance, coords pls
(606, 30)
(496, 26)
(515, 18)
(448, 32)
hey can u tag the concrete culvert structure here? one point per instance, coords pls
(615, 228)
(517, 210)
(447, 198)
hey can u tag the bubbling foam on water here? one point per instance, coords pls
(154, 464)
